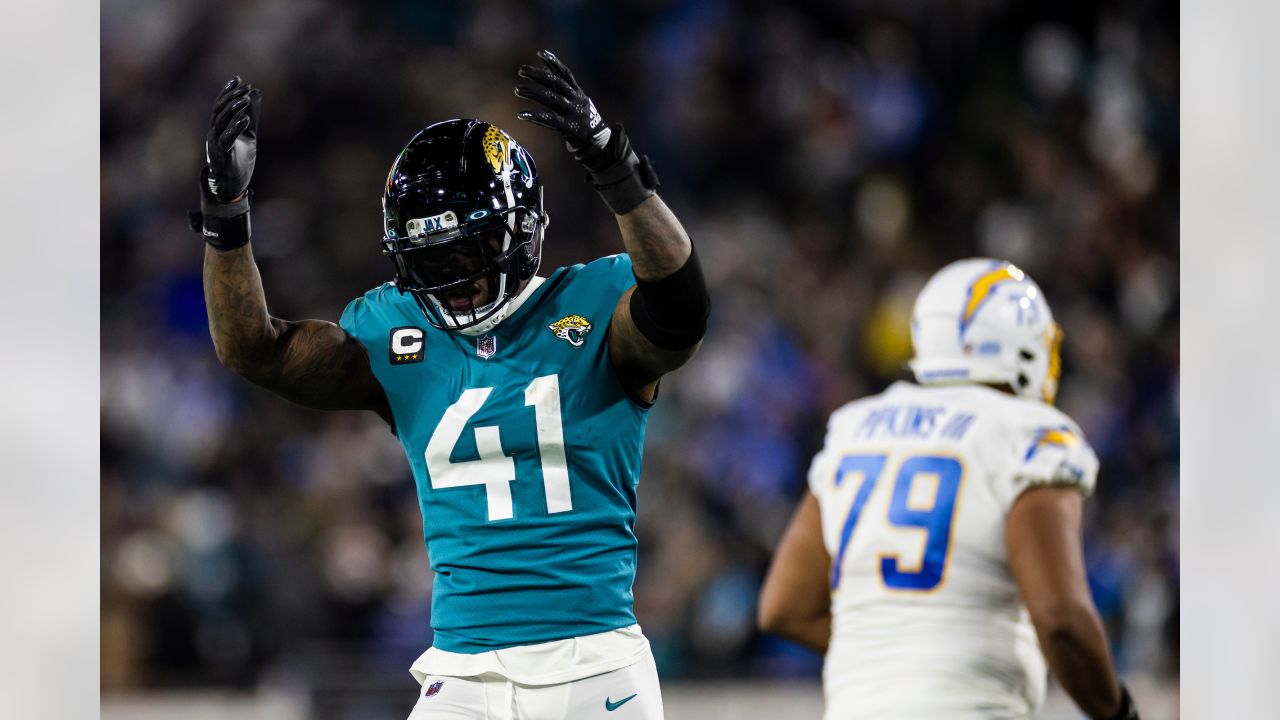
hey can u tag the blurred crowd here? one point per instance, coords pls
(825, 156)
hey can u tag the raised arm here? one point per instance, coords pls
(657, 325)
(313, 363)
(310, 362)
(1043, 538)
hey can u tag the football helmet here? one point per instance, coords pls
(984, 321)
(463, 222)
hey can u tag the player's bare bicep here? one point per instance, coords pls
(321, 366)
(1042, 535)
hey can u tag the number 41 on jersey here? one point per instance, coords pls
(494, 469)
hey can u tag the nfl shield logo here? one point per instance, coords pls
(433, 688)
(487, 346)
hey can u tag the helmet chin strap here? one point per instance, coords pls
(492, 321)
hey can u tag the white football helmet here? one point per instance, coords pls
(984, 321)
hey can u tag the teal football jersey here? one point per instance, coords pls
(525, 451)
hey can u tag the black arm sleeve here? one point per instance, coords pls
(672, 312)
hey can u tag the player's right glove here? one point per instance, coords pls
(231, 151)
(622, 179)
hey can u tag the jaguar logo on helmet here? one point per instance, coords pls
(497, 150)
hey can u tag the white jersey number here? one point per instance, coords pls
(494, 469)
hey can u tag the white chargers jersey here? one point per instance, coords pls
(914, 485)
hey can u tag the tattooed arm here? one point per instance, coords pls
(658, 247)
(310, 362)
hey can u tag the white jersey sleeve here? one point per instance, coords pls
(1046, 448)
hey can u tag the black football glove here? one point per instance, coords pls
(231, 147)
(231, 151)
(622, 179)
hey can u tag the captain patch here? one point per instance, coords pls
(406, 345)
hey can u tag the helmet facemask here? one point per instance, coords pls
(464, 276)
(1036, 367)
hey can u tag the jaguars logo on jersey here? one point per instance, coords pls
(572, 329)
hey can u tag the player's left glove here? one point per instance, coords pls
(622, 179)
(231, 152)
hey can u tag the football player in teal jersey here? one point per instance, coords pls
(520, 399)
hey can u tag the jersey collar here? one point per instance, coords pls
(489, 324)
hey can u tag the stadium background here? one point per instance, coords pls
(825, 156)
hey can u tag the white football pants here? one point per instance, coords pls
(629, 693)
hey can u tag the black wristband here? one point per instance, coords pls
(1127, 711)
(224, 226)
(672, 312)
(623, 179)
(222, 233)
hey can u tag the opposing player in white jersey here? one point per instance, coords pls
(936, 558)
